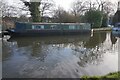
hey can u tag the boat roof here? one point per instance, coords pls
(118, 23)
(54, 23)
(60, 23)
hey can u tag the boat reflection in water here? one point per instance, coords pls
(60, 56)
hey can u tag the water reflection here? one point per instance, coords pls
(113, 39)
(96, 40)
(59, 56)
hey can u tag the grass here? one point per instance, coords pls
(102, 29)
(115, 75)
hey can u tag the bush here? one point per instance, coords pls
(94, 17)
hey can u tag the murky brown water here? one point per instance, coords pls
(60, 56)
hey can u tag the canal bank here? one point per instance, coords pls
(102, 29)
(114, 75)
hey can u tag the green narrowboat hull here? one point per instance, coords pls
(50, 32)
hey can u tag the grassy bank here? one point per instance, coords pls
(102, 29)
(110, 75)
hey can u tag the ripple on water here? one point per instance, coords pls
(60, 57)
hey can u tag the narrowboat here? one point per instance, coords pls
(116, 29)
(42, 29)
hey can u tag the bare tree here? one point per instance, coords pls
(58, 14)
(10, 10)
(39, 8)
(4, 8)
(78, 7)
(109, 8)
(105, 6)
(46, 6)
(62, 16)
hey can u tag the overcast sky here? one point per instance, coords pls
(63, 3)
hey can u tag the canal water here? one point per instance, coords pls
(60, 56)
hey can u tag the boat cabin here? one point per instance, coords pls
(52, 26)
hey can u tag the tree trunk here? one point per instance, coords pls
(34, 10)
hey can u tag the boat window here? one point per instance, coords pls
(53, 27)
(37, 26)
(33, 27)
(71, 27)
(42, 26)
